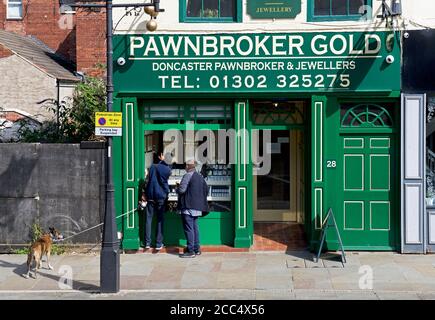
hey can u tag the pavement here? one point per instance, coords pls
(228, 275)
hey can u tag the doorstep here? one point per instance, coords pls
(179, 250)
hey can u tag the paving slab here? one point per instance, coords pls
(237, 265)
(274, 281)
(165, 277)
(332, 263)
(313, 264)
(272, 268)
(240, 280)
(143, 270)
(396, 286)
(132, 282)
(295, 263)
(311, 279)
(199, 280)
(205, 265)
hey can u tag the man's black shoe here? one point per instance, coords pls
(197, 252)
(188, 255)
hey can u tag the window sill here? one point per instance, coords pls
(14, 19)
(338, 19)
(209, 21)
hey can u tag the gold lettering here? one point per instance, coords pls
(274, 9)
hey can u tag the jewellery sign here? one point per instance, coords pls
(273, 9)
(276, 62)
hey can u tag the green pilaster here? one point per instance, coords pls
(318, 192)
(333, 174)
(242, 177)
(117, 169)
(131, 148)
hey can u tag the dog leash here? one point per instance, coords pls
(86, 230)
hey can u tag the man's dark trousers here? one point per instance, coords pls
(190, 226)
(155, 207)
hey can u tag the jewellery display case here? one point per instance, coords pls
(218, 178)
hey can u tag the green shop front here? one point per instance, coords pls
(325, 107)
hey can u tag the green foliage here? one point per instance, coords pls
(20, 251)
(57, 249)
(48, 132)
(76, 116)
(37, 232)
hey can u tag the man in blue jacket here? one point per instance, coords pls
(192, 202)
(156, 194)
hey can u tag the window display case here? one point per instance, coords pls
(218, 178)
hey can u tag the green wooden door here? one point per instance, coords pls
(369, 203)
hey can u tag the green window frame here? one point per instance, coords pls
(237, 17)
(367, 115)
(311, 17)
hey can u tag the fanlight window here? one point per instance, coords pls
(366, 116)
(278, 113)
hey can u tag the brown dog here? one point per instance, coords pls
(39, 248)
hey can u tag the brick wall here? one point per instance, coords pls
(91, 41)
(42, 18)
(78, 37)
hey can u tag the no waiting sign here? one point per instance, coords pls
(108, 123)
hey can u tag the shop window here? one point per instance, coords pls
(210, 10)
(366, 116)
(278, 112)
(336, 10)
(217, 175)
(14, 9)
(430, 151)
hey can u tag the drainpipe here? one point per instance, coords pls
(57, 105)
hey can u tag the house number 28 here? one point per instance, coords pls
(331, 163)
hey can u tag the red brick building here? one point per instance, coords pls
(77, 35)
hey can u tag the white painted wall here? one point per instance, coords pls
(23, 86)
(415, 12)
(66, 90)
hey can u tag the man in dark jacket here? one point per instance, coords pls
(156, 193)
(192, 202)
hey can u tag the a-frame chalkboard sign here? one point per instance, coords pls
(328, 223)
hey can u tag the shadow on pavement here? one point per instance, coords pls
(21, 269)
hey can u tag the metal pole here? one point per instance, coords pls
(110, 260)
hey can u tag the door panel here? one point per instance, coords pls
(368, 203)
(353, 172)
(380, 172)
